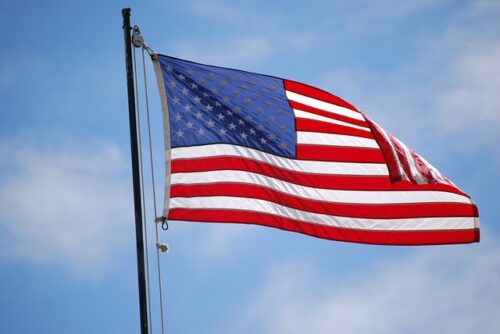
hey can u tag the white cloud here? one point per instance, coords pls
(214, 9)
(434, 290)
(446, 90)
(242, 51)
(470, 100)
(66, 207)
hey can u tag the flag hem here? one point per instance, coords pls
(166, 133)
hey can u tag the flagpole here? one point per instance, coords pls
(141, 278)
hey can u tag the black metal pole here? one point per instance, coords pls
(141, 278)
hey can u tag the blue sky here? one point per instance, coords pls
(428, 71)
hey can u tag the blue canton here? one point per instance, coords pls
(210, 105)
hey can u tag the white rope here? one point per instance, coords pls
(158, 248)
(141, 170)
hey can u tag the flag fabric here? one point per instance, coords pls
(249, 148)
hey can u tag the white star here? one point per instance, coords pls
(215, 90)
(197, 99)
(236, 92)
(184, 91)
(283, 127)
(217, 104)
(263, 141)
(189, 125)
(175, 100)
(260, 127)
(225, 99)
(169, 69)
(198, 115)
(223, 83)
(210, 123)
(194, 86)
(209, 107)
(237, 109)
(173, 84)
(220, 116)
(229, 112)
(190, 72)
(205, 94)
(252, 131)
(283, 145)
(260, 110)
(272, 136)
(181, 77)
(243, 135)
(271, 119)
(232, 126)
(201, 132)
(222, 132)
(179, 133)
(241, 122)
(249, 118)
(178, 117)
(187, 108)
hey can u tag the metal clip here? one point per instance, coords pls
(163, 221)
(162, 247)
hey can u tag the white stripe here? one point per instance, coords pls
(305, 166)
(415, 173)
(262, 206)
(331, 139)
(324, 195)
(308, 115)
(326, 106)
(436, 174)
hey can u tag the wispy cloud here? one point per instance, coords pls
(240, 52)
(445, 89)
(434, 290)
(215, 10)
(66, 207)
(470, 99)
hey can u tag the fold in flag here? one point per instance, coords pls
(249, 148)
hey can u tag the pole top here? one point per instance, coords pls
(126, 12)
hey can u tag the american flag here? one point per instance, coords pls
(249, 148)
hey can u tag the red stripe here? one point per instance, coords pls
(304, 124)
(320, 112)
(378, 211)
(327, 232)
(339, 153)
(392, 164)
(317, 93)
(326, 181)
